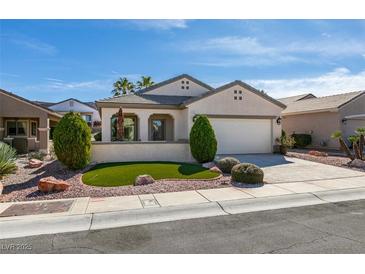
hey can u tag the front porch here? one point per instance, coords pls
(144, 126)
(27, 134)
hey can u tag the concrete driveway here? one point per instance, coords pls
(281, 169)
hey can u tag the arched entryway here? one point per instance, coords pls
(130, 127)
(161, 127)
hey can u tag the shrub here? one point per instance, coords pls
(203, 144)
(7, 159)
(226, 164)
(72, 141)
(97, 136)
(247, 173)
(302, 140)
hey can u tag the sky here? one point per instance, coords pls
(52, 60)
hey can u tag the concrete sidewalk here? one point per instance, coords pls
(97, 213)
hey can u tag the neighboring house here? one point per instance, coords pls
(321, 116)
(25, 124)
(87, 110)
(245, 120)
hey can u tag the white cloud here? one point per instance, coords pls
(337, 81)
(160, 24)
(32, 44)
(247, 51)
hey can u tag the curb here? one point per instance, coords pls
(342, 195)
(39, 226)
(270, 203)
(154, 215)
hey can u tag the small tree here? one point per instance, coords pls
(354, 139)
(72, 141)
(338, 135)
(203, 144)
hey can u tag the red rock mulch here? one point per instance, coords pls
(340, 161)
(23, 185)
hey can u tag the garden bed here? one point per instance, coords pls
(23, 185)
(334, 160)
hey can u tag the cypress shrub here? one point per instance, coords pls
(72, 141)
(203, 144)
(302, 140)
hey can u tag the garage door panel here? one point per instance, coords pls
(239, 136)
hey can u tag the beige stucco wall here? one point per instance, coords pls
(321, 125)
(140, 151)
(175, 89)
(223, 103)
(143, 115)
(354, 107)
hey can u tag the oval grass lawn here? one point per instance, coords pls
(121, 174)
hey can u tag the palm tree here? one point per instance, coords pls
(145, 82)
(354, 139)
(122, 86)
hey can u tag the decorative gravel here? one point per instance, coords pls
(23, 185)
(340, 161)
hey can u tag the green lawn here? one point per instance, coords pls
(121, 174)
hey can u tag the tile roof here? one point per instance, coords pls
(291, 99)
(321, 103)
(150, 99)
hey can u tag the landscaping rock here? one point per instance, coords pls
(34, 163)
(216, 169)
(317, 153)
(357, 163)
(208, 165)
(50, 184)
(142, 180)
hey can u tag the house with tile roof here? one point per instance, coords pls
(158, 119)
(321, 116)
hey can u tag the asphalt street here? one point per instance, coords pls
(327, 228)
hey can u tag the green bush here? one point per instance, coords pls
(7, 159)
(226, 164)
(247, 173)
(72, 141)
(37, 155)
(97, 136)
(302, 140)
(203, 144)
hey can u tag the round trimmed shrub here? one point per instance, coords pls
(203, 144)
(226, 164)
(247, 173)
(72, 141)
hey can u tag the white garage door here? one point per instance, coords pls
(238, 136)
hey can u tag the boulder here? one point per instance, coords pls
(357, 163)
(49, 184)
(208, 165)
(34, 163)
(142, 180)
(216, 169)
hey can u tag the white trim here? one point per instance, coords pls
(356, 116)
(43, 128)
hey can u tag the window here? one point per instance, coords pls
(235, 97)
(158, 130)
(183, 82)
(240, 98)
(240, 92)
(187, 87)
(33, 128)
(187, 82)
(16, 128)
(129, 128)
(87, 118)
(235, 92)
(182, 87)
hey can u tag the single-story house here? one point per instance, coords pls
(87, 110)
(321, 116)
(158, 119)
(25, 124)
